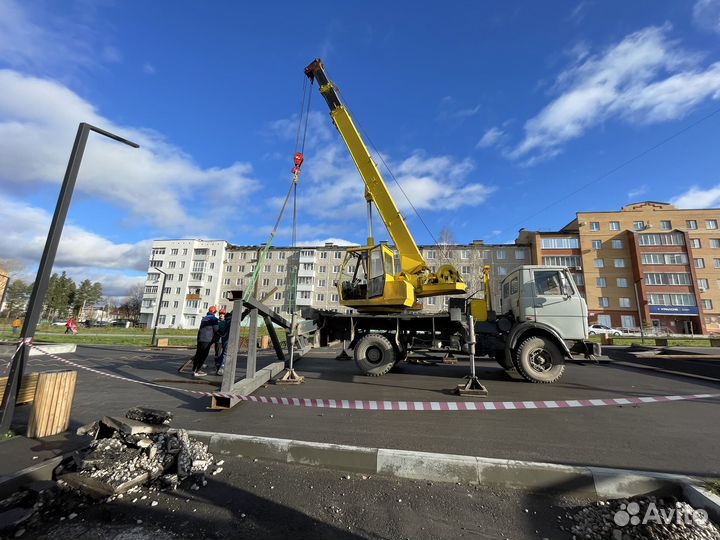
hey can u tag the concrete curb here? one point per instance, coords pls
(41, 471)
(596, 483)
(54, 348)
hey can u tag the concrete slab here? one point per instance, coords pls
(427, 466)
(334, 456)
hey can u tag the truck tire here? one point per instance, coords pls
(375, 355)
(539, 360)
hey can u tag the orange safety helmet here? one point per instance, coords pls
(212, 309)
(222, 312)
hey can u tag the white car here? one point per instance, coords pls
(602, 329)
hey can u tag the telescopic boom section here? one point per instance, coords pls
(411, 260)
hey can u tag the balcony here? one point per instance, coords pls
(303, 301)
(307, 258)
(302, 271)
(305, 287)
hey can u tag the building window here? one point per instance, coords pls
(604, 301)
(501, 271)
(671, 299)
(716, 263)
(621, 282)
(320, 297)
(691, 224)
(597, 244)
(500, 254)
(238, 281)
(171, 264)
(338, 254)
(174, 251)
(266, 268)
(703, 284)
(266, 282)
(213, 252)
(226, 281)
(231, 256)
(605, 320)
(322, 283)
(176, 304)
(280, 268)
(614, 225)
(666, 225)
(519, 254)
(562, 260)
(269, 255)
(668, 239)
(466, 270)
(177, 291)
(336, 269)
(707, 304)
(699, 263)
(638, 225)
(560, 243)
(158, 251)
(334, 298)
(617, 244)
(322, 269)
(156, 264)
(619, 263)
(228, 268)
(656, 278)
(601, 282)
(715, 243)
(465, 254)
(280, 282)
(624, 302)
(594, 225)
(180, 277)
(664, 258)
(711, 224)
(579, 279)
(431, 301)
(599, 263)
(695, 243)
(278, 296)
(627, 321)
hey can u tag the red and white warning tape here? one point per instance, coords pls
(371, 405)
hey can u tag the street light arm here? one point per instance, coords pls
(117, 138)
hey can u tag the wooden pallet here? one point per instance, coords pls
(26, 393)
(53, 402)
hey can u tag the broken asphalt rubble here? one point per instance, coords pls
(126, 455)
(137, 450)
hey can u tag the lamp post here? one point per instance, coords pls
(42, 279)
(157, 315)
(5, 288)
(639, 310)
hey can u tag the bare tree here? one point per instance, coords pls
(445, 240)
(132, 302)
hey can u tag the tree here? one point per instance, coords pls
(130, 308)
(87, 294)
(445, 240)
(16, 298)
(60, 296)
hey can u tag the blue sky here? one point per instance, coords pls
(490, 114)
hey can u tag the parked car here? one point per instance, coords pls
(602, 329)
(100, 324)
(59, 323)
(121, 323)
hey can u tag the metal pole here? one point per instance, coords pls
(471, 345)
(639, 310)
(157, 315)
(4, 293)
(46, 263)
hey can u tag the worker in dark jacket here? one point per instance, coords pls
(207, 334)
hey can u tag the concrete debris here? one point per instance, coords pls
(644, 518)
(128, 453)
(149, 416)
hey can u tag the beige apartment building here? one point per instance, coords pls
(200, 273)
(666, 258)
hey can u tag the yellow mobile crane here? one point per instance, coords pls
(539, 320)
(372, 280)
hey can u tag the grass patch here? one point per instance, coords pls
(713, 485)
(7, 436)
(672, 342)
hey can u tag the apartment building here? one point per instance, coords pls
(666, 258)
(200, 274)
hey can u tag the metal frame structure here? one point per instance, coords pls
(46, 263)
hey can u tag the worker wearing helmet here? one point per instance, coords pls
(221, 330)
(224, 336)
(207, 334)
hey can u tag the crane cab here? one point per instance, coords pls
(368, 281)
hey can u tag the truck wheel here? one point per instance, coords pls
(374, 355)
(539, 360)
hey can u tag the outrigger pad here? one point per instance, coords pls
(472, 388)
(290, 377)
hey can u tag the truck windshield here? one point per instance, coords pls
(548, 282)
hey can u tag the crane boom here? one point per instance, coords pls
(370, 281)
(411, 260)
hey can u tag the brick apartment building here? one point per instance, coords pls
(670, 255)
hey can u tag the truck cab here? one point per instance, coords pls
(546, 295)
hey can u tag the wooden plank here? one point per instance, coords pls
(26, 393)
(53, 402)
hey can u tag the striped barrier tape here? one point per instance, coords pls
(373, 405)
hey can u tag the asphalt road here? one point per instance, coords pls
(675, 437)
(264, 500)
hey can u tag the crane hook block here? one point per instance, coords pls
(298, 158)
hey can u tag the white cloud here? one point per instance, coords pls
(148, 68)
(706, 15)
(645, 78)
(696, 197)
(26, 230)
(334, 241)
(636, 192)
(38, 121)
(490, 138)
